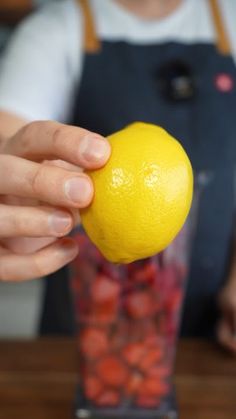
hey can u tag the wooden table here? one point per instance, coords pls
(38, 379)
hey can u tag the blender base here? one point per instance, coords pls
(167, 410)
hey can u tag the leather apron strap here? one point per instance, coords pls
(223, 44)
(92, 42)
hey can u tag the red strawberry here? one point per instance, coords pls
(134, 384)
(106, 312)
(133, 352)
(104, 289)
(92, 387)
(139, 275)
(150, 359)
(108, 398)
(140, 304)
(112, 371)
(122, 332)
(93, 343)
(154, 387)
(153, 340)
(147, 274)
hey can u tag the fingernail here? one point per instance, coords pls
(94, 148)
(68, 248)
(78, 190)
(60, 222)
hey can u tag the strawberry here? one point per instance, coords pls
(154, 340)
(92, 387)
(106, 312)
(93, 343)
(154, 387)
(150, 359)
(104, 289)
(147, 274)
(140, 304)
(112, 371)
(133, 352)
(149, 330)
(133, 384)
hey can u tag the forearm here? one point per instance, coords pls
(11, 11)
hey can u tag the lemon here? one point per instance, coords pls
(142, 195)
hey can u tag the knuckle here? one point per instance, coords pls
(28, 128)
(66, 137)
(26, 133)
(60, 135)
(35, 180)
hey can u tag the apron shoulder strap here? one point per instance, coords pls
(91, 41)
(223, 44)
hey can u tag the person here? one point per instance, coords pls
(101, 65)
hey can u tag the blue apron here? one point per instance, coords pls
(119, 86)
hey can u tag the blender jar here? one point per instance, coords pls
(127, 324)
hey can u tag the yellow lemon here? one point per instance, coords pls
(142, 195)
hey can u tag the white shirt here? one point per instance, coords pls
(42, 66)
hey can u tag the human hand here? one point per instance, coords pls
(226, 328)
(42, 200)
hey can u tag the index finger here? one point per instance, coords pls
(45, 183)
(48, 139)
